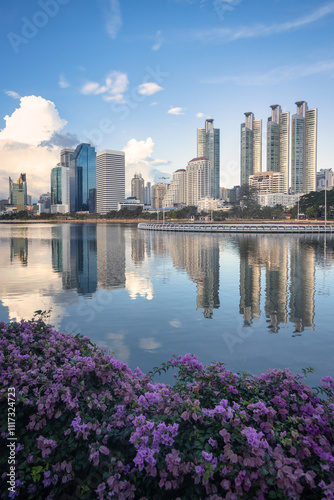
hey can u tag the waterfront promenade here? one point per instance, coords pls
(241, 227)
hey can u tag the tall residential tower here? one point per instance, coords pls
(251, 148)
(278, 143)
(208, 146)
(304, 149)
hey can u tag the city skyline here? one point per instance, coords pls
(61, 88)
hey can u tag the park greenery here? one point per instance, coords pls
(88, 427)
(311, 206)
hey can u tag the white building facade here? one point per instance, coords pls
(267, 182)
(175, 193)
(197, 180)
(110, 180)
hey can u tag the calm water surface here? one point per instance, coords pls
(252, 301)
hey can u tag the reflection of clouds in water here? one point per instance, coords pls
(149, 344)
(176, 323)
(117, 345)
(139, 286)
(26, 289)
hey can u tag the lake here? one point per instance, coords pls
(252, 301)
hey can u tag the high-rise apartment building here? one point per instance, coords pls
(197, 180)
(304, 149)
(175, 193)
(157, 194)
(208, 146)
(137, 187)
(83, 179)
(267, 182)
(110, 180)
(18, 192)
(251, 148)
(278, 143)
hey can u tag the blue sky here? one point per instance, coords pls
(143, 76)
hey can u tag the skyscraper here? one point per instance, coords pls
(158, 192)
(251, 148)
(208, 146)
(304, 149)
(197, 183)
(65, 156)
(137, 187)
(278, 143)
(110, 174)
(18, 192)
(175, 193)
(59, 187)
(83, 179)
(147, 194)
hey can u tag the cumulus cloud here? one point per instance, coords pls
(200, 115)
(61, 140)
(137, 151)
(63, 83)
(138, 159)
(35, 122)
(176, 111)
(115, 85)
(149, 88)
(12, 94)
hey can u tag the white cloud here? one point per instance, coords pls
(156, 46)
(138, 159)
(276, 75)
(34, 121)
(139, 286)
(137, 151)
(260, 30)
(113, 17)
(149, 88)
(175, 323)
(176, 111)
(155, 103)
(149, 344)
(200, 115)
(12, 94)
(63, 83)
(116, 83)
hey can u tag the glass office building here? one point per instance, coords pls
(83, 179)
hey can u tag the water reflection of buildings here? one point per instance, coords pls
(302, 262)
(272, 254)
(89, 256)
(110, 256)
(250, 280)
(74, 254)
(199, 256)
(19, 249)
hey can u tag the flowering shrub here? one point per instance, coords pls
(89, 427)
